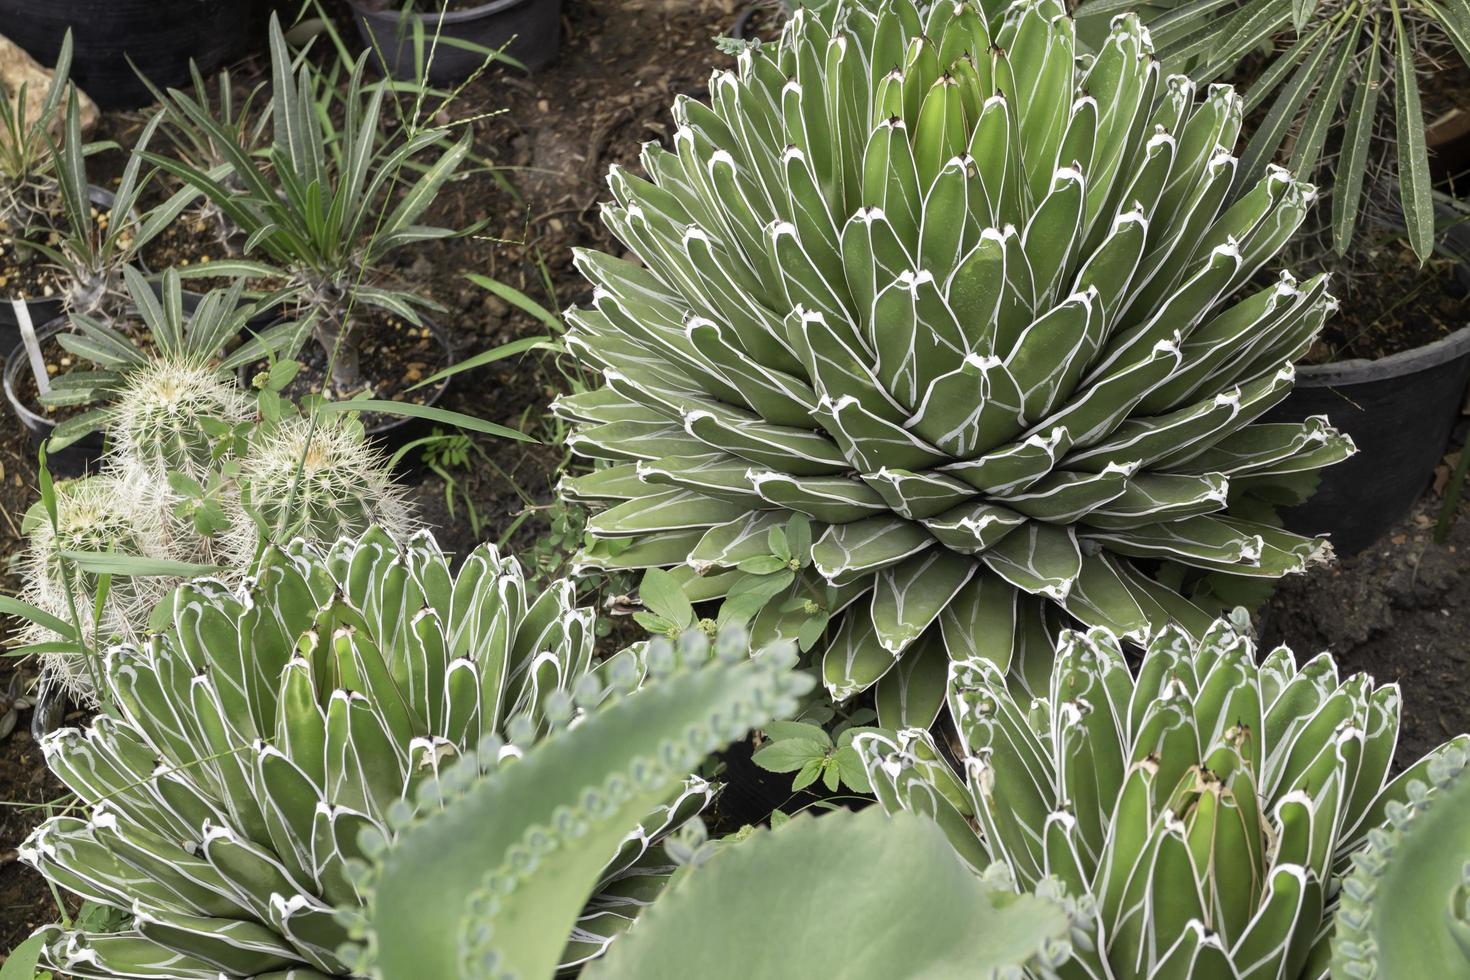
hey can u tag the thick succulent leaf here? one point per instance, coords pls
(967, 923)
(605, 773)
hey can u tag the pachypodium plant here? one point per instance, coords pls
(969, 304)
(317, 477)
(92, 239)
(320, 210)
(1405, 908)
(27, 126)
(1203, 807)
(1336, 74)
(266, 728)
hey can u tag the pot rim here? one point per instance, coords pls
(448, 17)
(1454, 243)
(15, 362)
(1362, 370)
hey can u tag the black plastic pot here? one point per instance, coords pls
(160, 36)
(527, 30)
(397, 431)
(1399, 410)
(75, 459)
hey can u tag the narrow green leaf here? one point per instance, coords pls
(488, 357)
(11, 606)
(1414, 180)
(135, 566)
(1347, 193)
(443, 416)
(519, 300)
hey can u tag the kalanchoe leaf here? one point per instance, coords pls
(1204, 803)
(967, 304)
(272, 737)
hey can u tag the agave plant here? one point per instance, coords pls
(965, 302)
(266, 728)
(1323, 87)
(1406, 904)
(1203, 807)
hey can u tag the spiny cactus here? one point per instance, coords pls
(965, 300)
(161, 360)
(1203, 806)
(1406, 904)
(109, 513)
(161, 420)
(317, 478)
(268, 726)
(490, 885)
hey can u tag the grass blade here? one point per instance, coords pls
(443, 416)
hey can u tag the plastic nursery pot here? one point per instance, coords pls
(43, 310)
(527, 30)
(1400, 410)
(160, 36)
(75, 459)
(395, 431)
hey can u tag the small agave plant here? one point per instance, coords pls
(1202, 809)
(970, 305)
(1406, 904)
(268, 727)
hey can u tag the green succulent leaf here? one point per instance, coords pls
(853, 867)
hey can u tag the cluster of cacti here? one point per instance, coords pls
(968, 302)
(1405, 906)
(259, 735)
(1203, 806)
(176, 423)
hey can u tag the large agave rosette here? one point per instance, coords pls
(970, 303)
(224, 800)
